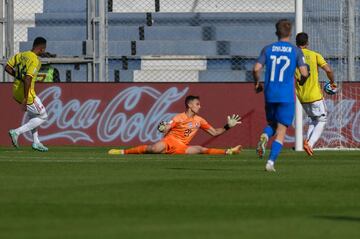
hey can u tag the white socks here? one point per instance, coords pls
(315, 132)
(310, 129)
(35, 136)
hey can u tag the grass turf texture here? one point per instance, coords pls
(80, 192)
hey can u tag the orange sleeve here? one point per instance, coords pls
(204, 124)
(175, 120)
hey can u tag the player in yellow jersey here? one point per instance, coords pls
(310, 94)
(24, 67)
(181, 129)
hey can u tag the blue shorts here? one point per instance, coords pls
(282, 113)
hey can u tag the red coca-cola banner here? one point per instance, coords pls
(126, 114)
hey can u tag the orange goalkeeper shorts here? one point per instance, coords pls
(174, 146)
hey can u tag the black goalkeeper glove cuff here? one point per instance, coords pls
(226, 127)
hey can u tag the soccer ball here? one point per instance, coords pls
(329, 90)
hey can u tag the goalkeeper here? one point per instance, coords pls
(181, 129)
(310, 94)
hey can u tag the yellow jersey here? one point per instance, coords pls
(311, 90)
(24, 63)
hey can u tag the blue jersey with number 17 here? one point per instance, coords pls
(280, 59)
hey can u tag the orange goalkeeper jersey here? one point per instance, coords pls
(184, 128)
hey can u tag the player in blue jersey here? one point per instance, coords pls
(280, 59)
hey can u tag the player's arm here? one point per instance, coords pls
(232, 121)
(257, 70)
(215, 132)
(304, 74)
(27, 82)
(329, 72)
(10, 70)
(304, 68)
(257, 75)
(31, 70)
(330, 75)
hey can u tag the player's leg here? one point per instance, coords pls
(269, 130)
(317, 113)
(319, 118)
(37, 112)
(284, 115)
(204, 150)
(200, 150)
(156, 148)
(276, 147)
(307, 148)
(37, 145)
(37, 115)
(310, 128)
(307, 109)
(141, 149)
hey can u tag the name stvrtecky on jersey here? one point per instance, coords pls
(282, 49)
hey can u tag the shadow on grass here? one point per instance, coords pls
(339, 218)
(202, 169)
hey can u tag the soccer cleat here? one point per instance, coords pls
(269, 167)
(39, 147)
(308, 148)
(14, 138)
(116, 151)
(261, 146)
(235, 150)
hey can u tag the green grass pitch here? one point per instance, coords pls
(81, 192)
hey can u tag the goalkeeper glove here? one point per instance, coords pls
(162, 126)
(232, 121)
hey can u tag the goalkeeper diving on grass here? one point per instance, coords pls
(181, 130)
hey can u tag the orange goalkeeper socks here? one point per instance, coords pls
(136, 150)
(215, 151)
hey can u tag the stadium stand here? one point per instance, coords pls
(226, 43)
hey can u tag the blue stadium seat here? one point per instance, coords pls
(65, 6)
(176, 48)
(69, 33)
(222, 76)
(61, 48)
(119, 48)
(232, 63)
(60, 19)
(247, 48)
(173, 33)
(248, 33)
(197, 19)
(126, 19)
(123, 33)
